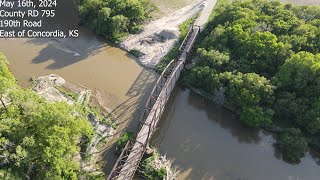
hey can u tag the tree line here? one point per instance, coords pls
(262, 58)
(114, 19)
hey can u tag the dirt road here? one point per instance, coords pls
(206, 12)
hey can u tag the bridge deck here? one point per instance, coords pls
(129, 167)
(190, 38)
(149, 125)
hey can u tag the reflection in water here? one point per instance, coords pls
(225, 119)
(207, 142)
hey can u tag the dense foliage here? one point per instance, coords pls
(114, 18)
(148, 171)
(7, 81)
(299, 89)
(38, 139)
(122, 141)
(262, 60)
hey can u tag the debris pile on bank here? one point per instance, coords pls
(162, 162)
(46, 87)
(102, 130)
(157, 167)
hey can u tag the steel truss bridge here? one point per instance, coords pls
(134, 150)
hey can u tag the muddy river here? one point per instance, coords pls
(114, 77)
(207, 142)
(108, 71)
(204, 141)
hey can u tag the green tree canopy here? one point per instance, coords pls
(299, 77)
(38, 139)
(7, 81)
(114, 19)
(263, 58)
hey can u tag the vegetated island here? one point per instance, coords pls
(261, 59)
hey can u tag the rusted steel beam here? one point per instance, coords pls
(186, 39)
(112, 175)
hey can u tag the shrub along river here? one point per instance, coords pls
(203, 140)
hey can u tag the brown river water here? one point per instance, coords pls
(207, 142)
(203, 140)
(113, 75)
(85, 60)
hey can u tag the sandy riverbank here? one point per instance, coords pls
(158, 37)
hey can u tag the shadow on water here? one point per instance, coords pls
(205, 141)
(127, 114)
(65, 52)
(315, 156)
(225, 119)
(311, 154)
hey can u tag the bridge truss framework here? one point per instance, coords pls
(134, 150)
